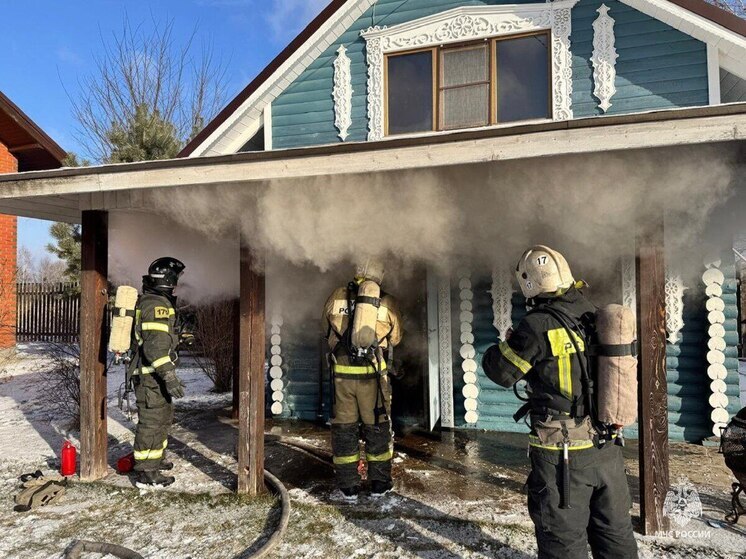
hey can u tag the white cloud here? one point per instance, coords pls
(66, 54)
(287, 17)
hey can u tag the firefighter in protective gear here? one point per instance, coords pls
(577, 489)
(361, 388)
(153, 369)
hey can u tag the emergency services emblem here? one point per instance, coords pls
(682, 503)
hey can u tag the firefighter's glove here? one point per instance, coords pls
(396, 374)
(174, 386)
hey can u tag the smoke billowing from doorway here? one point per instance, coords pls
(480, 216)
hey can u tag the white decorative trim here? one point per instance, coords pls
(277, 385)
(472, 23)
(674, 288)
(267, 121)
(502, 300)
(445, 356)
(713, 279)
(604, 58)
(629, 282)
(342, 92)
(731, 45)
(467, 351)
(713, 74)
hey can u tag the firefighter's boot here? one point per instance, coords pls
(153, 479)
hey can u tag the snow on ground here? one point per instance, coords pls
(458, 497)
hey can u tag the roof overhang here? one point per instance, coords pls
(679, 127)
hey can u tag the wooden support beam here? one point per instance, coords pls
(93, 300)
(653, 400)
(251, 376)
(236, 356)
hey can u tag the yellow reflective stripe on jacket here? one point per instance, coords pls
(563, 348)
(351, 459)
(520, 363)
(151, 454)
(161, 361)
(384, 457)
(358, 369)
(158, 326)
(144, 370)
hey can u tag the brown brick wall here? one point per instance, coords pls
(8, 256)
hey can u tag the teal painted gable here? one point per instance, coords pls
(658, 67)
(732, 88)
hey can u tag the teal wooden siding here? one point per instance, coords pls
(301, 374)
(730, 298)
(732, 88)
(658, 67)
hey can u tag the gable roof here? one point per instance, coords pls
(28, 143)
(714, 14)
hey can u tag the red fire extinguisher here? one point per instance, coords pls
(68, 459)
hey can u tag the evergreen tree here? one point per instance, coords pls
(66, 247)
(144, 137)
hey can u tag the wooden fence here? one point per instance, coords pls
(48, 312)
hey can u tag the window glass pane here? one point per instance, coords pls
(465, 106)
(410, 84)
(522, 79)
(465, 66)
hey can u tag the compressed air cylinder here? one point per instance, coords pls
(125, 302)
(617, 375)
(366, 314)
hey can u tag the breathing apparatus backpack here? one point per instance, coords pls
(363, 339)
(123, 322)
(608, 366)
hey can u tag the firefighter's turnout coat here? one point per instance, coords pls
(154, 345)
(362, 393)
(541, 351)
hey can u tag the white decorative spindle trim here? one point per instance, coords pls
(276, 384)
(467, 351)
(469, 23)
(674, 305)
(713, 279)
(629, 283)
(604, 58)
(502, 300)
(445, 353)
(342, 93)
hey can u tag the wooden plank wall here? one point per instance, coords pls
(48, 312)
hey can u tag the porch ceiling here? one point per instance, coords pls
(61, 194)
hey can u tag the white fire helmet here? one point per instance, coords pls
(371, 269)
(543, 271)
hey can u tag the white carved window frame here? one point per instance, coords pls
(471, 23)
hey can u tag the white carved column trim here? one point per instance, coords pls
(604, 58)
(502, 300)
(276, 383)
(674, 304)
(467, 351)
(342, 93)
(629, 282)
(445, 352)
(713, 279)
(469, 23)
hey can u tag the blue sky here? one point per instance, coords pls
(51, 44)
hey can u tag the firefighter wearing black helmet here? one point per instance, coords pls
(153, 369)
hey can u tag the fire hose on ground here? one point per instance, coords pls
(83, 546)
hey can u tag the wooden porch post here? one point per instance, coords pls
(236, 357)
(93, 300)
(653, 400)
(251, 380)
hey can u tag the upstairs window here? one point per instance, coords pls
(467, 86)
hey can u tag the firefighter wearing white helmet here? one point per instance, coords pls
(578, 493)
(362, 324)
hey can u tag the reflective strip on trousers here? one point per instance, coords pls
(384, 457)
(520, 363)
(151, 454)
(154, 326)
(351, 459)
(161, 361)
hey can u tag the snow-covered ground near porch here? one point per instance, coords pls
(460, 497)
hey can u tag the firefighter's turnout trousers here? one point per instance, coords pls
(599, 499)
(155, 342)
(355, 403)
